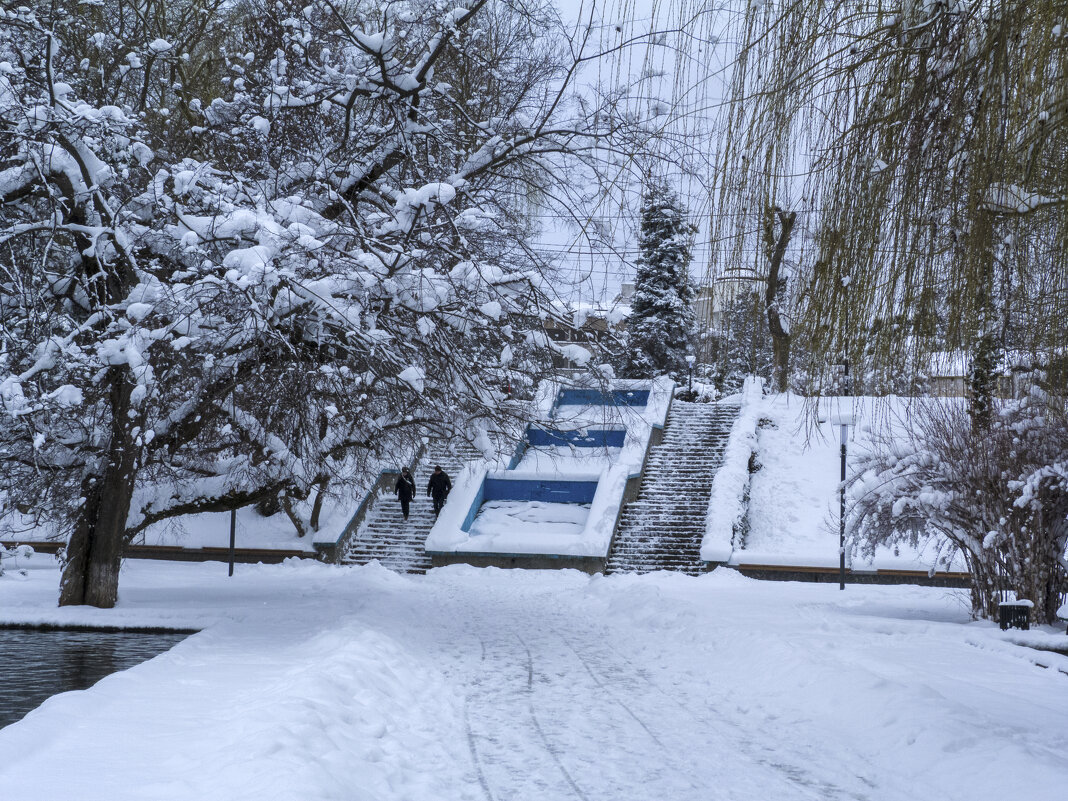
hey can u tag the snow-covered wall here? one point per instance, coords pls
(727, 506)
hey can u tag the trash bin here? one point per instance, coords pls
(1015, 615)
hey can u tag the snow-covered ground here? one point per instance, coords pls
(212, 530)
(525, 519)
(793, 500)
(252, 530)
(316, 682)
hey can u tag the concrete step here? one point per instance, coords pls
(653, 534)
(650, 563)
(651, 531)
(665, 508)
(385, 535)
(654, 563)
(662, 528)
(686, 549)
(652, 556)
(675, 472)
(668, 492)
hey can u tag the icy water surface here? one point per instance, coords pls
(35, 665)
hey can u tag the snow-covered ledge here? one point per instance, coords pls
(727, 504)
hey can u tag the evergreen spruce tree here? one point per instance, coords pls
(662, 319)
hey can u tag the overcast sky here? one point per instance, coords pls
(683, 72)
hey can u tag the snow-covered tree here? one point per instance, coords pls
(228, 273)
(661, 321)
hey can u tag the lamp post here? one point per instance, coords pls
(690, 359)
(844, 421)
(233, 538)
(844, 429)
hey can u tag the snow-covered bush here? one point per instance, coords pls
(997, 494)
(10, 558)
(701, 392)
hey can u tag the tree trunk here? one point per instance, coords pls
(1046, 574)
(291, 513)
(776, 250)
(94, 552)
(780, 349)
(317, 506)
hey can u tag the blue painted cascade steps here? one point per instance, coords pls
(397, 543)
(663, 527)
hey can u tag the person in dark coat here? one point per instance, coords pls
(405, 490)
(438, 488)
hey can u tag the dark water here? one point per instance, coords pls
(35, 665)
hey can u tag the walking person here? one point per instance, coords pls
(438, 488)
(405, 490)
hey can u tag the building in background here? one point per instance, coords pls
(590, 326)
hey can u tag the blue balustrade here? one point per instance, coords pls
(588, 438)
(596, 397)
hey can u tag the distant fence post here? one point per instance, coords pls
(233, 538)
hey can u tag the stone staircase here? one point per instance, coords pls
(662, 528)
(398, 543)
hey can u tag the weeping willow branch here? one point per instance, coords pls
(923, 145)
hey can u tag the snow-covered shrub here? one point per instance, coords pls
(10, 557)
(997, 494)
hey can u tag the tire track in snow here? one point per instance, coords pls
(611, 693)
(505, 754)
(505, 769)
(474, 754)
(681, 768)
(475, 758)
(537, 723)
(795, 774)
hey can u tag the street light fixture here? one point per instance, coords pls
(690, 359)
(844, 428)
(843, 420)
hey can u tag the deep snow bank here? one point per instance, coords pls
(275, 700)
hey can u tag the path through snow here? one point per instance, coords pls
(562, 705)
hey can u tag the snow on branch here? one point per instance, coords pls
(1012, 199)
